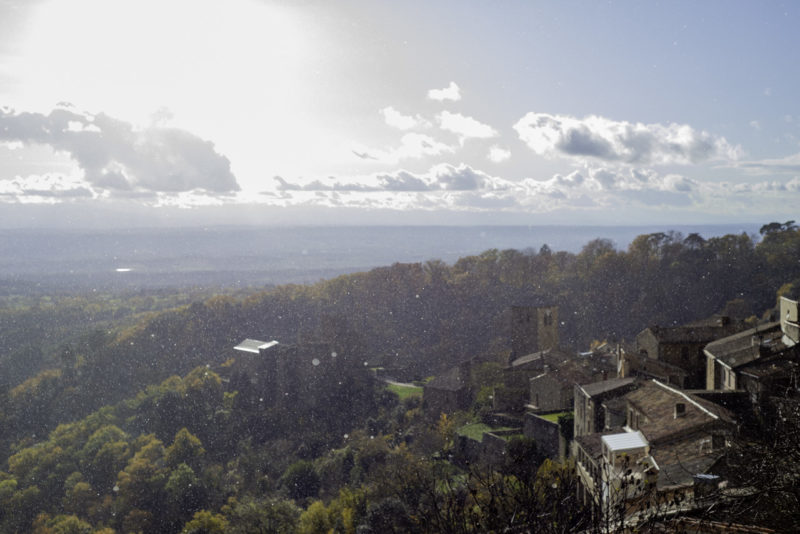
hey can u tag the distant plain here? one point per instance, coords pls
(243, 257)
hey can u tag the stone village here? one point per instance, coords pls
(651, 420)
(645, 423)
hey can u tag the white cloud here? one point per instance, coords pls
(441, 177)
(451, 92)
(395, 119)
(413, 145)
(114, 155)
(620, 141)
(789, 164)
(465, 127)
(754, 124)
(49, 187)
(588, 189)
(498, 154)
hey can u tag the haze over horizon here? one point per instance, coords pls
(352, 112)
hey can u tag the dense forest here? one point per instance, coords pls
(132, 414)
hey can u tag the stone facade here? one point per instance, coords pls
(547, 435)
(533, 329)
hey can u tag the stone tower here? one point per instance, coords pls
(533, 329)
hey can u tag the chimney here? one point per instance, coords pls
(680, 409)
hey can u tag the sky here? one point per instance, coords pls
(119, 113)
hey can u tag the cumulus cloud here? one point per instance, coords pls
(41, 187)
(317, 185)
(465, 127)
(606, 179)
(768, 186)
(403, 181)
(620, 141)
(591, 187)
(442, 177)
(395, 119)
(413, 145)
(789, 164)
(498, 154)
(116, 156)
(451, 92)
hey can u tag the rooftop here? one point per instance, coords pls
(678, 473)
(569, 373)
(772, 367)
(528, 358)
(658, 402)
(747, 346)
(605, 386)
(552, 356)
(689, 333)
(254, 345)
(625, 441)
(591, 443)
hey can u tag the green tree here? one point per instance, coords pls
(186, 448)
(301, 480)
(205, 522)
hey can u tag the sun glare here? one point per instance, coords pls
(192, 57)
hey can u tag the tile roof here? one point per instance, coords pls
(643, 364)
(675, 471)
(747, 346)
(592, 444)
(550, 356)
(657, 402)
(689, 334)
(568, 373)
(611, 384)
(771, 367)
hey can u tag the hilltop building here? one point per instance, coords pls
(533, 329)
(449, 392)
(669, 438)
(762, 361)
(277, 374)
(682, 346)
(592, 403)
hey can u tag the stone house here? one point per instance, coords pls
(545, 373)
(670, 438)
(449, 392)
(770, 377)
(762, 361)
(725, 357)
(590, 412)
(277, 374)
(639, 365)
(554, 389)
(682, 346)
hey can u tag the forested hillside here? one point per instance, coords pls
(140, 448)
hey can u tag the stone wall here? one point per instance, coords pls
(547, 436)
